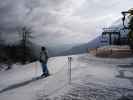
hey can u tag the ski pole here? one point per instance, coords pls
(35, 65)
(69, 69)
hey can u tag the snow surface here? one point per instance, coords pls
(88, 74)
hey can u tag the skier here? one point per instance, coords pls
(43, 61)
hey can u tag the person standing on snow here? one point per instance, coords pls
(43, 61)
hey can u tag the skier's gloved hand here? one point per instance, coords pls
(40, 60)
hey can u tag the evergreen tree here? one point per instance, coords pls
(130, 26)
(130, 33)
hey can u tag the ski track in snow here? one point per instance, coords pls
(92, 79)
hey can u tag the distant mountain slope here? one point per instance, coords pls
(83, 48)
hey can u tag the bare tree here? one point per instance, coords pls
(1, 40)
(25, 34)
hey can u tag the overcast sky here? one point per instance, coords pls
(60, 21)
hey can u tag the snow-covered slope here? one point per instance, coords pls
(88, 73)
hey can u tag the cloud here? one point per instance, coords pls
(59, 21)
